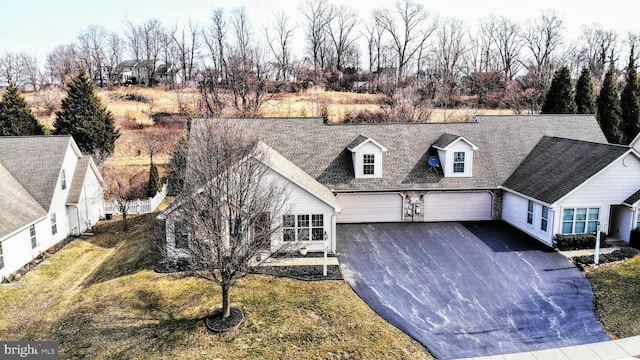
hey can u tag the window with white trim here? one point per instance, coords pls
(303, 227)
(530, 208)
(32, 234)
(63, 180)
(544, 218)
(580, 220)
(458, 162)
(368, 164)
(54, 224)
(1, 257)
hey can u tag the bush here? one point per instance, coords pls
(578, 241)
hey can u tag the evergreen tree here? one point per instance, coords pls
(177, 167)
(609, 111)
(560, 98)
(83, 116)
(585, 95)
(154, 185)
(630, 102)
(16, 118)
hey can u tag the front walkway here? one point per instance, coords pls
(622, 349)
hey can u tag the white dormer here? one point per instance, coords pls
(455, 154)
(366, 155)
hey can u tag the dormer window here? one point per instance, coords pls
(455, 154)
(458, 162)
(368, 164)
(366, 155)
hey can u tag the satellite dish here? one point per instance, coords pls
(433, 161)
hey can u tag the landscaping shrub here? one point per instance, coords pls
(578, 241)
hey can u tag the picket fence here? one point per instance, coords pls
(138, 206)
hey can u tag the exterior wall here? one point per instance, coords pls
(91, 203)
(611, 187)
(367, 148)
(514, 212)
(300, 202)
(17, 250)
(446, 159)
(59, 200)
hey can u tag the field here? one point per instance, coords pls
(100, 298)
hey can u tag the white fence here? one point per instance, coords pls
(139, 206)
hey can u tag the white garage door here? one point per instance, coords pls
(452, 206)
(370, 208)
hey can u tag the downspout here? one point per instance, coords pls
(77, 218)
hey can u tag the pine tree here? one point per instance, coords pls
(585, 95)
(609, 111)
(83, 116)
(154, 185)
(177, 167)
(630, 102)
(560, 98)
(16, 118)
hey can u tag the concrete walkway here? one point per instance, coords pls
(300, 261)
(622, 349)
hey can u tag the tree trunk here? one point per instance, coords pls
(226, 309)
(125, 226)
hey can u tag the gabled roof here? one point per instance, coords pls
(35, 162)
(633, 199)
(321, 150)
(18, 207)
(556, 166)
(84, 164)
(361, 140)
(445, 140)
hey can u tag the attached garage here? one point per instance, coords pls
(458, 206)
(380, 207)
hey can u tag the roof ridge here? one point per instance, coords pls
(588, 141)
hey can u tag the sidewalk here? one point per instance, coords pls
(622, 349)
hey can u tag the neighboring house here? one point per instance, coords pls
(544, 174)
(137, 72)
(49, 191)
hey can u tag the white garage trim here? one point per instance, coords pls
(370, 207)
(458, 206)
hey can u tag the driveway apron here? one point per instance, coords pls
(469, 289)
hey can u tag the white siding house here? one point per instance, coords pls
(48, 186)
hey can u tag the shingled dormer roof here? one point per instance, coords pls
(556, 166)
(322, 150)
(361, 140)
(19, 208)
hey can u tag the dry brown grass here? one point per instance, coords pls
(100, 299)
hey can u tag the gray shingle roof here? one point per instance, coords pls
(18, 207)
(556, 166)
(634, 198)
(503, 141)
(35, 162)
(78, 180)
(357, 141)
(445, 140)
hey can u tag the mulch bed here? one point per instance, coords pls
(301, 272)
(216, 323)
(586, 261)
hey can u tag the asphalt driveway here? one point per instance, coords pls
(468, 289)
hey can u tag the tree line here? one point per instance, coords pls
(499, 61)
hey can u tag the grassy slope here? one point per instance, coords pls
(101, 299)
(617, 294)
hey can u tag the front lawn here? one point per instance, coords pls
(617, 297)
(100, 298)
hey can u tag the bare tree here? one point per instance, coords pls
(543, 37)
(316, 13)
(279, 37)
(599, 50)
(113, 55)
(121, 192)
(449, 50)
(91, 48)
(187, 41)
(12, 69)
(340, 28)
(231, 208)
(506, 36)
(373, 33)
(61, 64)
(409, 27)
